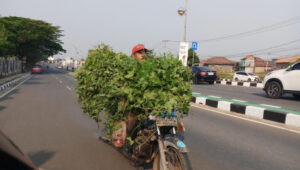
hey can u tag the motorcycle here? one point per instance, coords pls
(156, 141)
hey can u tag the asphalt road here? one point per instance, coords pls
(220, 142)
(249, 94)
(44, 118)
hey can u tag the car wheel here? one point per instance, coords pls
(273, 90)
(236, 79)
(249, 79)
(297, 96)
(211, 82)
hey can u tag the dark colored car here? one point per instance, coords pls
(11, 157)
(37, 69)
(203, 74)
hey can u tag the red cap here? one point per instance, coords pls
(137, 48)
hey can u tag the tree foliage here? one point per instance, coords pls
(192, 53)
(118, 84)
(34, 39)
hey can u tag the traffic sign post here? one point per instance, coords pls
(194, 47)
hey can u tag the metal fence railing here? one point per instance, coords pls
(10, 66)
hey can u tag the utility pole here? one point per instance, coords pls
(185, 19)
(193, 58)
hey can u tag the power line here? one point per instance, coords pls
(271, 27)
(265, 49)
(285, 49)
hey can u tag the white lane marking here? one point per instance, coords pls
(270, 105)
(29, 77)
(278, 127)
(60, 81)
(56, 78)
(69, 88)
(238, 100)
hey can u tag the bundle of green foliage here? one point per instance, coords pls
(118, 84)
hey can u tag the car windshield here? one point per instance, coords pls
(251, 74)
(36, 66)
(204, 69)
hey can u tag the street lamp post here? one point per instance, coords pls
(183, 47)
(185, 19)
(182, 12)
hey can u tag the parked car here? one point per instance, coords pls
(203, 74)
(37, 69)
(287, 80)
(11, 156)
(245, 76)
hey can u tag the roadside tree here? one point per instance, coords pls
(34, 39)
(192, 53)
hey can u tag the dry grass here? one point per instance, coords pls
(261, 75)
(225, 75)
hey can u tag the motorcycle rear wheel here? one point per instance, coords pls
(176, 160)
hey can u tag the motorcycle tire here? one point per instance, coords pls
(182, 161)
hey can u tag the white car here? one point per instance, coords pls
(245, 76)
(278, 82)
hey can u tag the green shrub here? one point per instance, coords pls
(118, 84)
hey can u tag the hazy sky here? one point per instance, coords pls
(124, 23)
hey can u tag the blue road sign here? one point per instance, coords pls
(194, 45)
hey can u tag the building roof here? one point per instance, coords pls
(248, 57)
(258, 61)
(283, 60)
(218, 61)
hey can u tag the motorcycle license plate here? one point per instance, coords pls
(166, 121)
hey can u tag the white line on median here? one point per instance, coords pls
(238, 100)
(282, 128)
(29, 77)
(270, 105)
(68, 88)
(215, 96)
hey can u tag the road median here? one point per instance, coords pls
(289, 117)
(239, 83)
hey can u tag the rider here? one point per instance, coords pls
(118, 136)
(139, 53)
